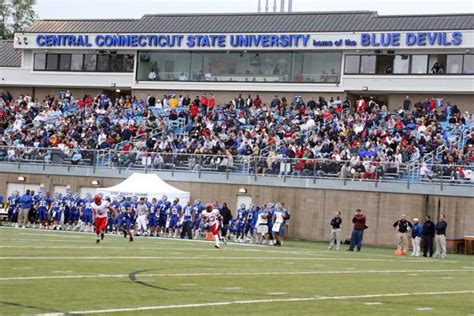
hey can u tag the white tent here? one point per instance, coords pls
(145, 185)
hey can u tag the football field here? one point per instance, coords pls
(64, 273)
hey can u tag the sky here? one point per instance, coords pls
(109, 9)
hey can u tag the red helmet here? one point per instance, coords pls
(98, 199)
(209, 207)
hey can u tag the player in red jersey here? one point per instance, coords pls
(213, 218)
(100, 210)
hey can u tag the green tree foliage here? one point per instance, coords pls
(15, 16)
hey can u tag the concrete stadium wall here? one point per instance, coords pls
(312, 209)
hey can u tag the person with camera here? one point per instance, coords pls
(336, 223)
(402, 226)
(359, 220)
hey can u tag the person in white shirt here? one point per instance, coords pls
(152, 75)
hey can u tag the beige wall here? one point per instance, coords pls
(312, 209)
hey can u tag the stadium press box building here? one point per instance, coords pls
(307, 54)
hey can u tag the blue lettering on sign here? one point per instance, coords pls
(392, 39)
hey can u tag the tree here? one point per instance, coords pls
(15, 16)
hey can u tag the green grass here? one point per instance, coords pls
(160, 272)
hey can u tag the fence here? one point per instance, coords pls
(267, 166)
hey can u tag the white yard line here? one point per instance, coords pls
(152, 275)
(242, 302)
(208, 258)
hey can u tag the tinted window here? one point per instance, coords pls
(367, 64)
(468, 65)
(40, 62)
(103, 63)
(90, 62)
(419, 64)
(401, 64)
(352, 64)
(64, 62)
(52, 61)
(76, 62)
(454, 64)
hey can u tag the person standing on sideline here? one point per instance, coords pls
(359, 221)
(428, 233)
(336, 223)
(402, 226)
(440, 237)
(416, 233)
(226, 218)
(26, 203)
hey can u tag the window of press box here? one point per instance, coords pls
(77, 62)
(316, 67)
(419, 64)
(352, 64)
(90, 62)
(163, 66)
(437, 64)
(103, 62)
(368, 64)
(40, 62)
(468, 64)
(401, 64)
(385, 64)
(454, 64)
(65, 62)
(52, 61)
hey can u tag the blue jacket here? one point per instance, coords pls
(417, 230)
(26, 201)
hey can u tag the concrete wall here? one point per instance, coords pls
(312, 209)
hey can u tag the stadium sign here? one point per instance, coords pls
(293, 41)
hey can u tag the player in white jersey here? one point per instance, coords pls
(212, 216)
(142, 215)
(100, 210)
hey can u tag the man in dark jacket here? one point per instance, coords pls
(416, 234)
(428, 233)
(336, 223)
(226, 218)
(440, 237)
(359, 221)
(402, 226)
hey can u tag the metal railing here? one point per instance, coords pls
(275, 166)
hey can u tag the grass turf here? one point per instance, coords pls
(45, 272)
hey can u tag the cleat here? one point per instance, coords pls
(217, 247)
(102, 236)
(124, 234)
(97, 241)
(131, 239)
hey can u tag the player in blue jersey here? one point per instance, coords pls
(125, 218)
(13, 205)
(153, 216)
(86, 213)
(43, 209)
(251, 222)
(163, 207)
(57, 211)
(197, 209)
(187, 217)
(173, 218)
(241, 222)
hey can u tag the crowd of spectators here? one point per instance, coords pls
(357, 140)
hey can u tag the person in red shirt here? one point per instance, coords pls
(212, 102)
(257, 102)
(359, 221)
(360, 105)
(194, 111)
(204, 103)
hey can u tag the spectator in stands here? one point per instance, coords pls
(407, 104)
(152, 75)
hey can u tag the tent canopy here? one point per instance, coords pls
(145, 185)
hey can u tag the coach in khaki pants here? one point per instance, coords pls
(440, 237)
(26, 202)
(335, 238)
(402, 226)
